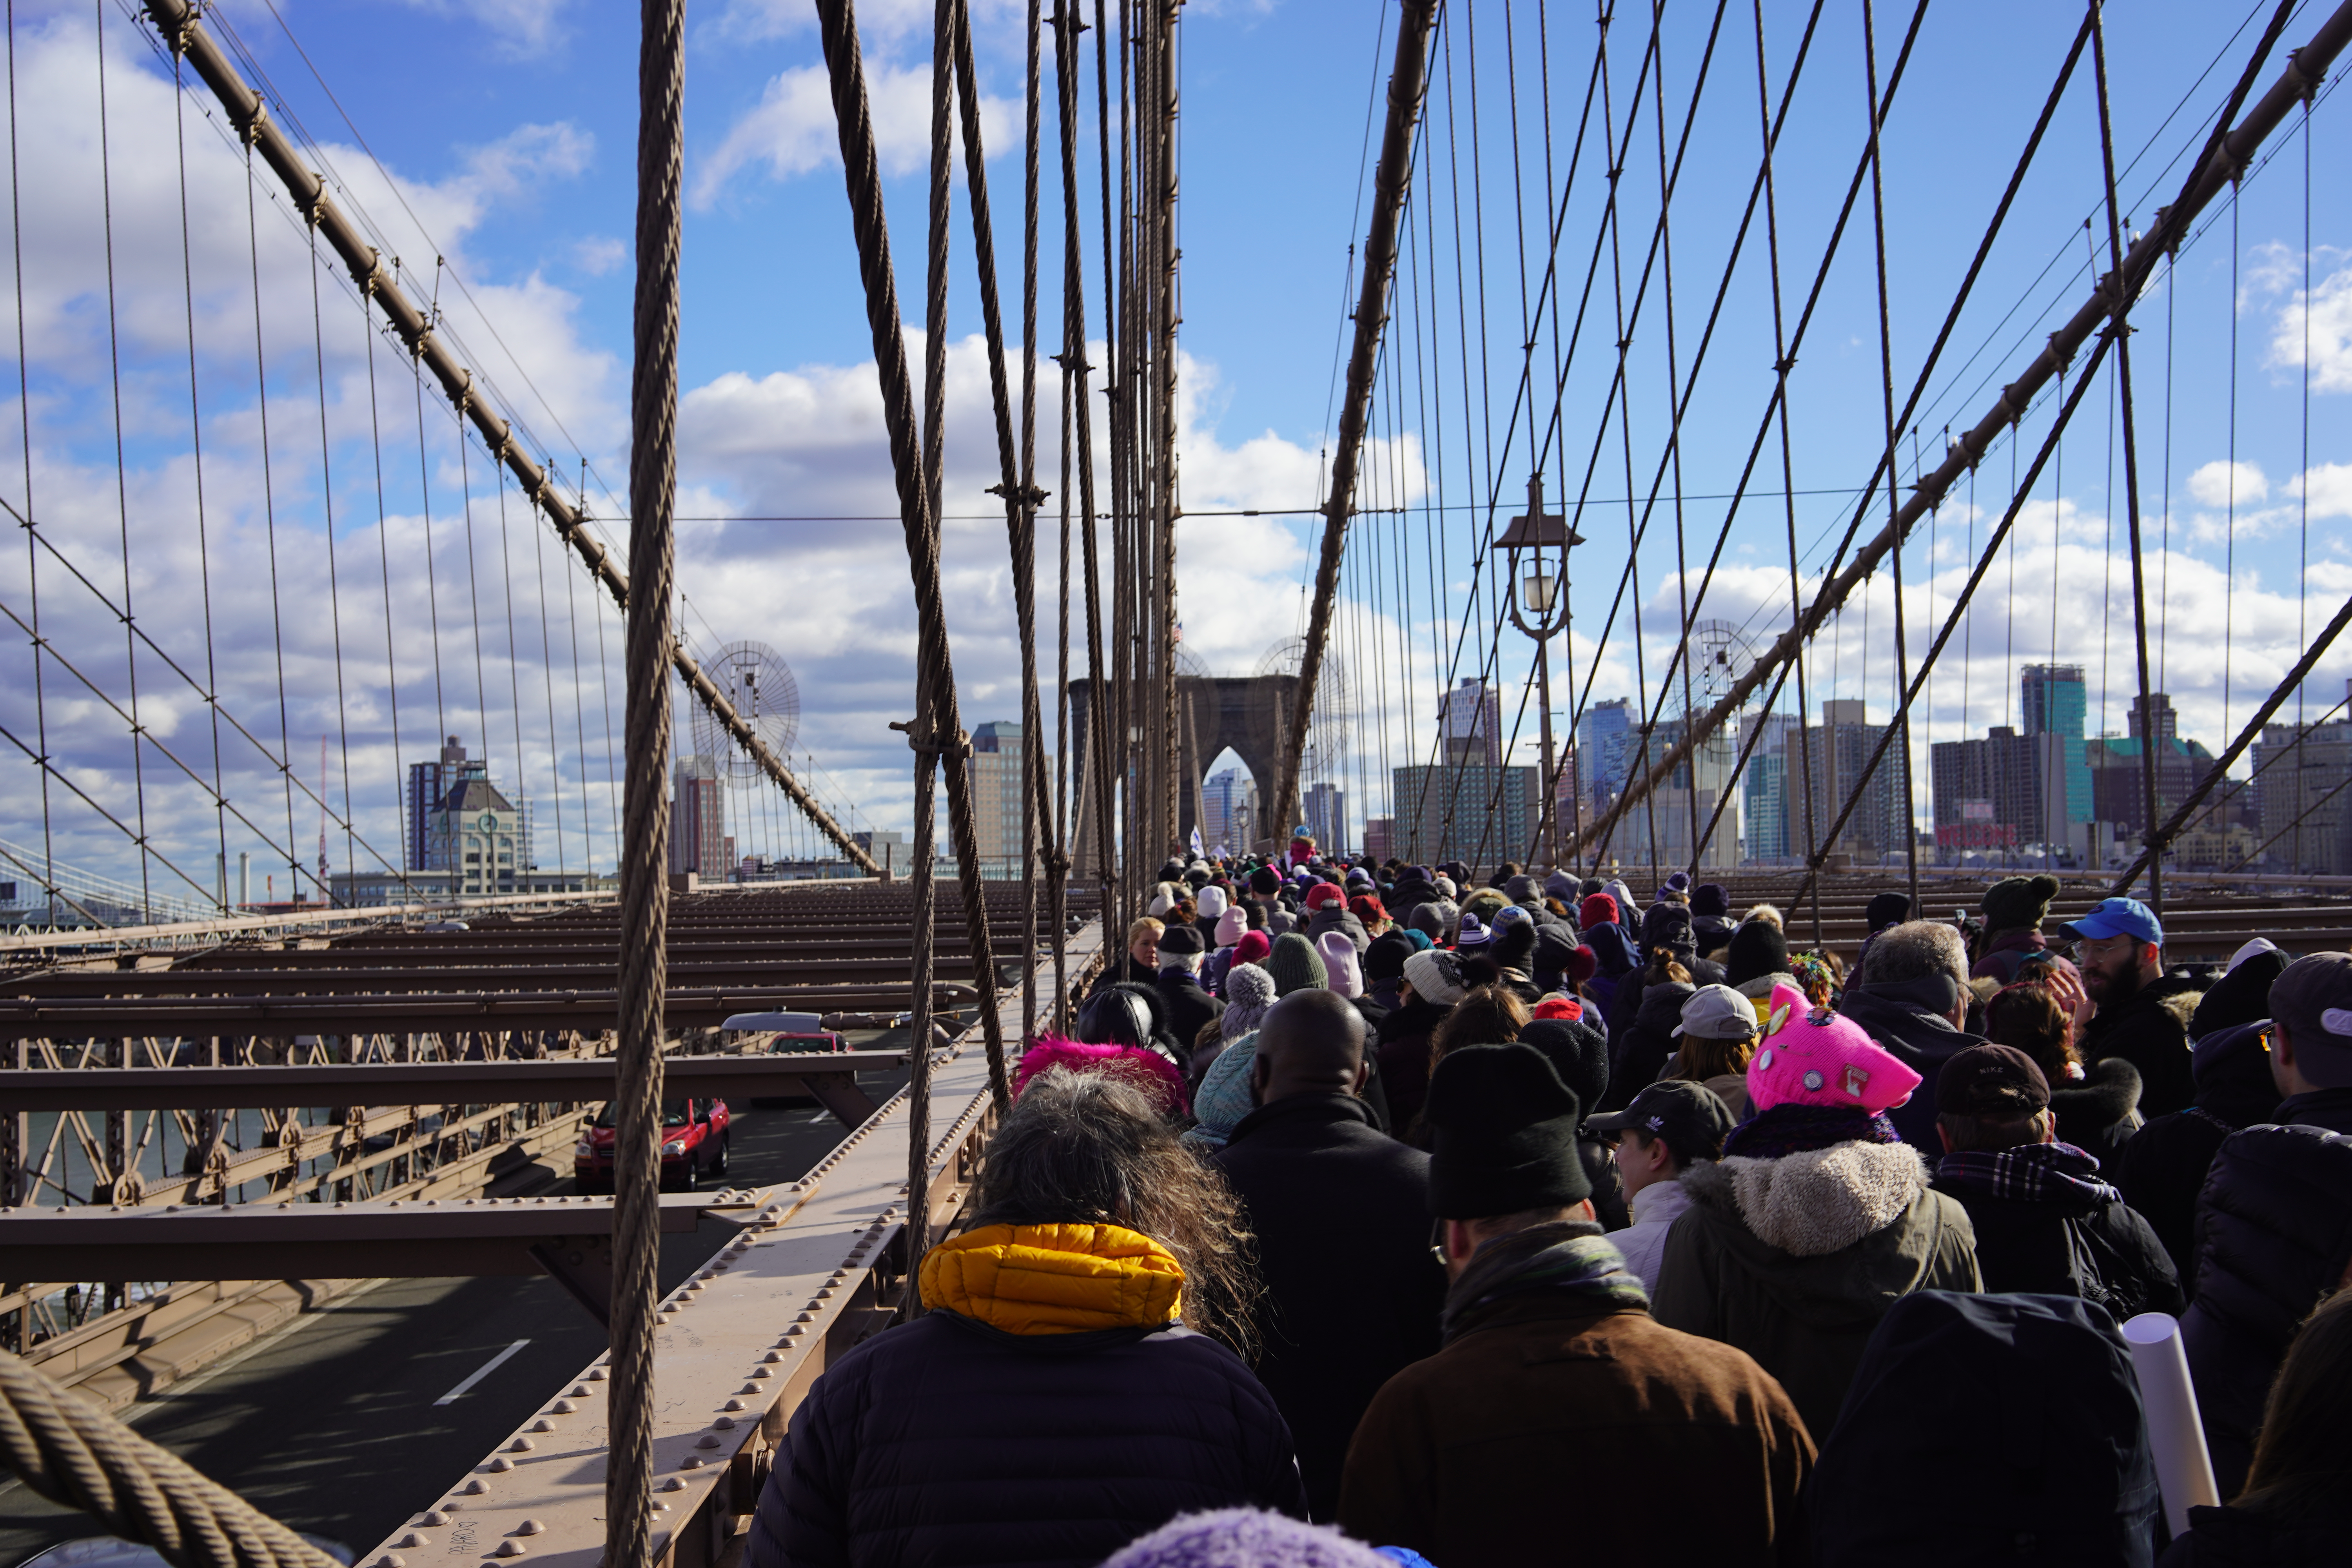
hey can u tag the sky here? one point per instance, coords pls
(335, 563)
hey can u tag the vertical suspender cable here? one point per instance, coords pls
(645, 846)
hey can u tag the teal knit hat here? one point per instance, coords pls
(1296, 965)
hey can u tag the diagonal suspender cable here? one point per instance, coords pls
(249, 117)
(644, 805)
(2224, 159)
(1407, 79)
(837, 21)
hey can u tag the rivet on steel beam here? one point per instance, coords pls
(771, 1358)
(596, 1374)
(673, 1485)
(707, 1440)
(578, 1391)
(433, 1516)
(732, 1404)
(695, 1461)
(411, 1539)
(392, 1560)
(520, 1445)
(541, 1425)
(500, 1465)
(530, 1527)
(475, 1487)
(562, 1407)
(724, 1424)
(510, 1548)
(761, 1372)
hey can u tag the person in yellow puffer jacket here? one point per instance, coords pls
(1073, 1382)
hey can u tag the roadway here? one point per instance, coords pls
(334, 1424)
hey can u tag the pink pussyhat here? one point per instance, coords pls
(1811, 1056)
(1343, 975)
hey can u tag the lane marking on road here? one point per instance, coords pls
(481, 1372)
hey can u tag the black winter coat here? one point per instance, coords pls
(2258, 1538)
(2101, 1252)
(2100, 1114)
(1920, 1041)
(1404, 1058)
(2274, 1230)
(2151, 1032)
(1638, 1056)
(2162, 1170)
(1188, 1006)
(947, 1442)
(1352, 1291)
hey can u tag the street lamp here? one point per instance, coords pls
(1535, 589)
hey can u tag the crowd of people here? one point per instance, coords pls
(1370, 1213)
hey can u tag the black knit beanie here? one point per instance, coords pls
(1758, 949)
(1265, 881)
(2018, 902)
(1577, 1051)
(1888, 910)
(1385, 960)
(1502, 1134)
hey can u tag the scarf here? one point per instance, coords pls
(1568, 1258)
(2032, 1173)
(1793, 1128)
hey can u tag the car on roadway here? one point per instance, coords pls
(694, 1145)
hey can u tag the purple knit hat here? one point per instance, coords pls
(1244, 1538)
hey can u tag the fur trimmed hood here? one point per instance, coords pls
(2182, 1004)
(1822, 1200)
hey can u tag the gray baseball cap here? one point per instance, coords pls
(2313, 997)
(1717, 1013)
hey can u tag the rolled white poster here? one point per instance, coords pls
(2184, 1471)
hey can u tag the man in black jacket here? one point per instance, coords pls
(1341, 1211)
(2131, 1007)
(1911, 994)
(2045, 1224)
(2274, 1224)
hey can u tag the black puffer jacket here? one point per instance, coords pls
(2150, 1031)
(2162, 1169)
(1922, 1041)
(1403, 1057)
(2313, 1537)
(2275, 1234)
(947, 1442)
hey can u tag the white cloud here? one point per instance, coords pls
(2329, 305)
(2328, 487)
(599, 254)
(2223, 483)
(791, 130)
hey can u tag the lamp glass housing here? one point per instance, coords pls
(1538, 589)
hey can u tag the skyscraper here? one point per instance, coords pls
(1326, 817)
(428, 783)
(996, 796)
(2055, 701)
(1471, 725)
(1228, 806)
(1602, 749)
(698, 819)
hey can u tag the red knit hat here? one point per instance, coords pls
(1253, 947)
(1582, 965)
(1559, 1007)
(1599, 908)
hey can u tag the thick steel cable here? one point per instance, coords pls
(644, 845)
(837, 23)
(1407, 78)
(2148, 739)
(70, 1452)
(2307, 71)
(420, 332)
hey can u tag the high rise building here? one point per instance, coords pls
(1464, 811)
(1380, 837)
(2055, 699)
(1326, 817)
(1604, 744)
(1228, 806)
(1472, 723)
(2306, 796)
(996, 796)
(461, 822)
(698, 819)
(1661, 821)
(1839, 750)
(428, 783)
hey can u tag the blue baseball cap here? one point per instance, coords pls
(2115, 917)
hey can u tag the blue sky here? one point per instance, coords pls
(502, 139)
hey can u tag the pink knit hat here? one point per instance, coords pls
(1229, 926)
(1340, 965)
(1814, 1056)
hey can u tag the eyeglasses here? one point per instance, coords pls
(1437, 1241)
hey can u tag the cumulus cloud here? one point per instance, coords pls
(522, 28)
(2330, 326)
(792, 131)
(2226, 483)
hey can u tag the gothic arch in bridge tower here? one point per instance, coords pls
(1245, 713)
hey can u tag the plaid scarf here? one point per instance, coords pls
(2031, 1173)
(1566, 1257)
(1793, 1128)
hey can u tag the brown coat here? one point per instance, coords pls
(1682, 1450)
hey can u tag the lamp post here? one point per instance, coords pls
(1536, 587)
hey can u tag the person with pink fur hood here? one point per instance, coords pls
(1817, 1218)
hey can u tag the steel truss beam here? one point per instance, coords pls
(830, 1078)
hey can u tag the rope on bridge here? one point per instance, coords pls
(71, 1452)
